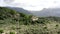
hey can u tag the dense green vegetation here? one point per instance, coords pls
(12, 22)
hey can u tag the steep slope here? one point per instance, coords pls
(14, 16)
(7, 13)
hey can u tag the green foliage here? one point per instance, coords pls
(12, 32)
(1, 31)
(57, 25)
(58, 32)
(45, 27)
(13, 27)
(22, 15)
(13, 12)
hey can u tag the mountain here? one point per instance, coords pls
(43, 13)
(21, 10)
(48, 12)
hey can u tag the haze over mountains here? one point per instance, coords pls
(48, 12)
(45, 12)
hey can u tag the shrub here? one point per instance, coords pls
(12, 32)
(45, 27)
(1, 31)
(57, 25)
(13, 27)
(13, 12)
(22, 15)
(58, 32)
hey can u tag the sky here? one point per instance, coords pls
(31, 5)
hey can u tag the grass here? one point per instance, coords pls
(48, 28)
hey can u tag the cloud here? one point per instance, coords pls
(31, 4)
(8, 1)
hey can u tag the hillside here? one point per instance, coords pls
(6, 13)
(14, 22)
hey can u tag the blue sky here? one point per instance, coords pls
(32, 5)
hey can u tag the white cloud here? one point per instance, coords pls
(31, 4)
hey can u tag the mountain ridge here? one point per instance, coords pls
(43, 13)
(21, 10)
(48, 12)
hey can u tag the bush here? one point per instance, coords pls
(12, 32)
(58, 32)
(45, 27)
(13, 12)
(1, 31)
(57, 25)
